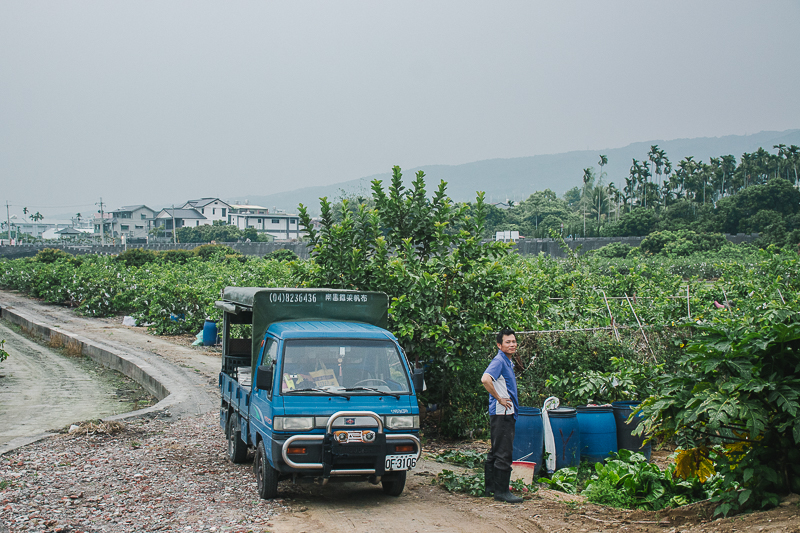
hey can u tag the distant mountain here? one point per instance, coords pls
(519, 177)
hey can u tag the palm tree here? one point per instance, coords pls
(588, 183)
(635, 175)
(728, 168)
(613, 193)
(603, 162)
(782, 154)
(654, 156)
(599, 198)
(793, 154)
(666, 164)
(629, 190)
(659, 160)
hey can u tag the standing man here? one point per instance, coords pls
(500, 382)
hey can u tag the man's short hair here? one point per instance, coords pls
(504, 332)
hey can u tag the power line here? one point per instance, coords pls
(48, 206)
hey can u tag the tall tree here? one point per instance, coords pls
(588, 185)
(793, 156)
(728, 168)
(782, 155)
(603, 162)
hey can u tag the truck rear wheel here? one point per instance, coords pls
(266, 476)
(237, 448)
(394, 483)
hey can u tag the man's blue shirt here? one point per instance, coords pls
(505, 383)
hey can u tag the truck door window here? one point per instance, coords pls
(337, 364)
(270, 355)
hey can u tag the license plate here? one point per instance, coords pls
(400, 462)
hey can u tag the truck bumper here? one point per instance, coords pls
(334, 454)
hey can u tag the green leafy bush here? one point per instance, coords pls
(137, 257)
(681, 243)
(51, 255)
(628, 480)
(639, 222)
(627, 380)
(175, 256)
(563, 480)
(566, 355)
(736, 397)
(209, 251)
(473, 484)
(284, 254)
(613, 250)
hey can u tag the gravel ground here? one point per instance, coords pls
(150, 475)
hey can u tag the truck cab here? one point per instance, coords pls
(325, 392)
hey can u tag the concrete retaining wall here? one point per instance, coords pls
(523, 247)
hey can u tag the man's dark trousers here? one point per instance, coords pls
(502, 430)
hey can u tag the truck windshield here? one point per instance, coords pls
(353, 365)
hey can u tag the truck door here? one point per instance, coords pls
(262, 406)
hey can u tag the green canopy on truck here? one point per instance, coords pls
(278, 305)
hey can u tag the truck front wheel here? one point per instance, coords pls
(394, 483)
(237, 448)
(266, 476)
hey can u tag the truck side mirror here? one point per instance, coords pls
(264, 378)
(418, 378)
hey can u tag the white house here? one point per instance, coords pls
(211, 208)
(281, 226)
(182, 218)
(36, 229)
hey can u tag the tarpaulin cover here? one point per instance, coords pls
(277, 305)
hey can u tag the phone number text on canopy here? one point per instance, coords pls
(311, 297)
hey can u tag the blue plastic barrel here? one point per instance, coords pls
(626, 441)
(567, 436)
(598, 432)
(529, 437)
(209, 333)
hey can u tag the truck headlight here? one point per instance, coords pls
(402, 422)
(293, 423)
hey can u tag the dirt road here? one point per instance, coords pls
(172, 475)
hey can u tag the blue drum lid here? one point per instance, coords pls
(562, 412)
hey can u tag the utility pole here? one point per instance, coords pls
(102, 223)
(174, 233)
(8, 224)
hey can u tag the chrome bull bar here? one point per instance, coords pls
(340, 414)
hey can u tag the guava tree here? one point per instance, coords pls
(449, 291)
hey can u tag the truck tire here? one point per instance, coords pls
(237, 448)
(266, 476)
(394, 483)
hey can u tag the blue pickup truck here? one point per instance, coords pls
(313, 382)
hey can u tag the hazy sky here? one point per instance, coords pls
(161, 101)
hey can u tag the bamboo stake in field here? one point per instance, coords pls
(688, 307)
(727, 303)
(647, 342)
(613, 324)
